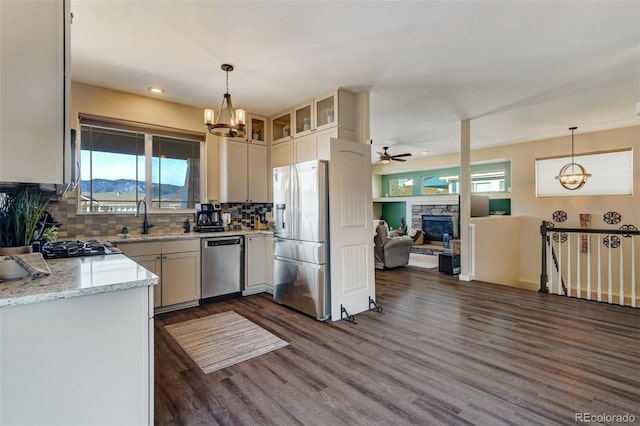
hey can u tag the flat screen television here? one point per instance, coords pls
(434, 228)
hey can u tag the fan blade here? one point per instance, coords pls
(397, 159)
(401, 155)
(380, 153)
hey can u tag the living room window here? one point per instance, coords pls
(494, 177)
(611, 174)
(481, 181)
(401, 187)
(433, 184)
(122, 164)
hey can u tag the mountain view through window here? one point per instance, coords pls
(120, 168)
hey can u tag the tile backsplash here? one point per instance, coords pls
(84, 226)
(245, 213)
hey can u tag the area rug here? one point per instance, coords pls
(423, 260)
(221, 340)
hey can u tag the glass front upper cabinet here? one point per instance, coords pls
(304, 122)
(326, 111)
(257, 129)
(318, 114)
(281, 127)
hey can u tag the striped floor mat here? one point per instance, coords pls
(221, 340)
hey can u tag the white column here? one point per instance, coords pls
(465, 199)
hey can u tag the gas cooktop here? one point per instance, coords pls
(76, 248)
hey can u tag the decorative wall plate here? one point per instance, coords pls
(559, 216)
(628, 228)
(614, 242)
(560, 237)
(612, 218)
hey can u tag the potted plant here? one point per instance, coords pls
(20, 212)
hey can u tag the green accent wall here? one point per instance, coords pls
(502, 204)
(393, 212)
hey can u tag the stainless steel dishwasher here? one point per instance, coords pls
(222, 266)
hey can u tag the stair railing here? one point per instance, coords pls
(597, 263)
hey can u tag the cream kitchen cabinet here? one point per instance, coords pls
(281, 127)
(258, 264)
(177, 265)
(257, 129)
(303, 119)
(314, 123)
(304, 148)
(323, 138)
(334, 109)
(258, 174)
(282, 154)
(243, 172)
(152, 263)
(315, 146)
(34, 90)
(180, 276)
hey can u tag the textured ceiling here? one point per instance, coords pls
(519, 70)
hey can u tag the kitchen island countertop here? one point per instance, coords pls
(137, 238)
(79, 276)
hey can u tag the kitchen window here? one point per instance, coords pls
(123, 163)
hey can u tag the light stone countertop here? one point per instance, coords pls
(79, 276)
(138, 238)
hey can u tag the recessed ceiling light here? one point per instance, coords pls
(425, 152)
(154, 89)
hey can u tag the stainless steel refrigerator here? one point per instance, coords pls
(300, 199)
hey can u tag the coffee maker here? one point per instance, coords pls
(208, 217)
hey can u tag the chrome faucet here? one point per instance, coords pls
(145, 223)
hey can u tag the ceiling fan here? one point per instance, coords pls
(385, 158)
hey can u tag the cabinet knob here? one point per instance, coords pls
(157, 257)
(164, 257)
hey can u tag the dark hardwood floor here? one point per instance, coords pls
(445, 352)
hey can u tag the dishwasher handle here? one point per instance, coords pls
(222, 242)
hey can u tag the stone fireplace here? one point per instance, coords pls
(422, 208)
(419, 210)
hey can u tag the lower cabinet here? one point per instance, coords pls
(180, 277)
(152, 263)
(176, 263)
(84, 360)
(258, 264)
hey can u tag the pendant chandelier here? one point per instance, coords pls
(230, 122)
(572, 175)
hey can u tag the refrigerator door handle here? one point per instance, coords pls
(288, 260)
(280, 212)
